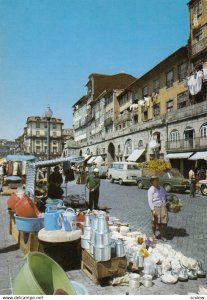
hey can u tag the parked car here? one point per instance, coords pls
(202, 186)
(171, 180)
(124, 172)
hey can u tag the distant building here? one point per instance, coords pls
(67, 134)
(35, 137)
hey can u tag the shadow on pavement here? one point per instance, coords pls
(172, 232)
(9, 248)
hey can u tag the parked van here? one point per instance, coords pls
(124, 172)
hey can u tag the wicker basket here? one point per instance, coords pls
(174, 208)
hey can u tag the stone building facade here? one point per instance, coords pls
(35, 137)
(158, 107)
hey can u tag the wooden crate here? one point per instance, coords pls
(13, 229)
(28, 242)
(98, 271)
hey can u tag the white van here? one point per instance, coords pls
(124, 172)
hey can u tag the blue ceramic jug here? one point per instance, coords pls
(69, 219)
(53, 220)
(53, 204)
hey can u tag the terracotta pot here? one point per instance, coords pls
(26, 208)
(12, 201)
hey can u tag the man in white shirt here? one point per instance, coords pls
(157, 203)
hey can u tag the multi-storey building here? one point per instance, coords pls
(89, 110)
(35, 137)
(159, 106)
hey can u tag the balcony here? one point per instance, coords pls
(199, 46)
(191, 144)
(187, 112)
(108, 122)
(123, 118)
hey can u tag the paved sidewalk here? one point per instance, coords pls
(11, 258)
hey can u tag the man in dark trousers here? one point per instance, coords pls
(93, 184)
(55, 191)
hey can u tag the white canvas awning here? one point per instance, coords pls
(98, 160)
(199, 155)
(90, 161)
(135, 155)
(179, 155)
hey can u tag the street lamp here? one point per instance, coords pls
(48, 116)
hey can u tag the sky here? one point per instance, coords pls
(48, 48)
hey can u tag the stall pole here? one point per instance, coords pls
(48, 148)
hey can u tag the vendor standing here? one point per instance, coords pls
(55, 180)
(157, 203)
(93, 184)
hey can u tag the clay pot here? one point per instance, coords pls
(12, 201)
(26, 208)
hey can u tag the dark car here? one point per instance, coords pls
(171, 180)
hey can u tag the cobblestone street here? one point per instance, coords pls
(186, 232)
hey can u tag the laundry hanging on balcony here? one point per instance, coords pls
(195, 82)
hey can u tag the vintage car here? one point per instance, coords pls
(171, 180)
(202, 186)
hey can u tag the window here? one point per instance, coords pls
(54, 126)
(45, 125)
(174, 136)
(182, 71)
(38, 149)
(140, 144)
(145, 116)
(199, 35)
(54, 150)
(198, 9)
(132, 167)
(121, 167)
(145, 91)
(103, 150)
(169, 79)
(119, 149)
(54, 142)
(169, 106)
(156, 86)
(136, 119)
(37, 125)
(204, 131)
(37, 133)
(182, 100)
(37, 142)
(156, 110)
(108, 100)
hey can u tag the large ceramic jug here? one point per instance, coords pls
(69, 219)
(53, 204)
(52, 220)
(12, 201)
(26, 208)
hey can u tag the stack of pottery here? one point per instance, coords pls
(100, 244)
(86, 237)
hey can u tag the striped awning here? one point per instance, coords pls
(57, 161)
(31, 171)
